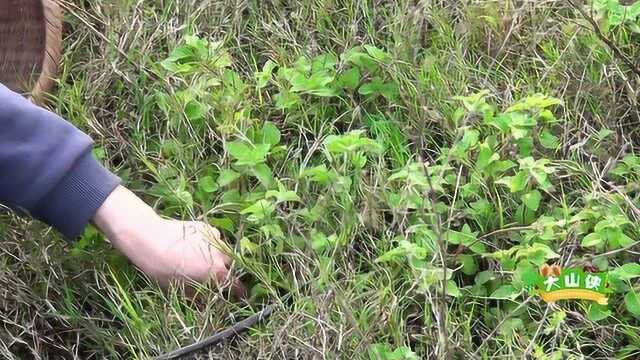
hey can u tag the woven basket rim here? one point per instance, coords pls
(52, 49)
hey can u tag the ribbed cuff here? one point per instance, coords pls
(71, 205)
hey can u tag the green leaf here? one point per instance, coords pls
(618, 238)
(433, 275)
(383, 352)
(528, 274)
(231, 196)
(264, 175)
(537, 253)
(469, 264)
(320, 174)
(455, 237)
(627, 271)
(538, 170)
(207, 184)
(499, 167)
(178, 60)
(486, 156)
(633, 11)
(238, 149)
(548, 140)
(302, 65)
(349, 143)
(362, 60)
(484, 277)
(185, 198)
(534, 102)
(196, 54)
(532, 200)
(227, 177)
(525, 146)
(519, 124)
(282, 194)
(260, 210)
(505, 292)
(377, 53)
(612, 222)
(592, 239)
(317, 84)
(469, 139)
(248, 247)
(467, 238)
(194, 110)
(395, 254)
(223, 223)
(320, 241)
(287, 99)
(515, 183)
(324, 62)
(233, 84)
(474, 103)
(350, 79)
(263, 77)
(198, 45)
(452, 289)
(405, 249)
(632, 302)
(477, 247)
(247, 155)
(378, 87)
(598, 312)
(270, 134)
(181, 53)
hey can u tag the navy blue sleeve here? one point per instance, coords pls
(47, 168)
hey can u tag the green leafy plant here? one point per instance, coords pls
(616, 14)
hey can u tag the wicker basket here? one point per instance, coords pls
(30, 42)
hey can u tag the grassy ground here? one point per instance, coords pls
(406, 240)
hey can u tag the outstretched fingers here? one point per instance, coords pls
(222, 262)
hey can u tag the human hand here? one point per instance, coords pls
(166, 250)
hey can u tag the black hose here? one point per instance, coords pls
(236, 329)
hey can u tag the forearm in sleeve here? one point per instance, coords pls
(47, 168)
